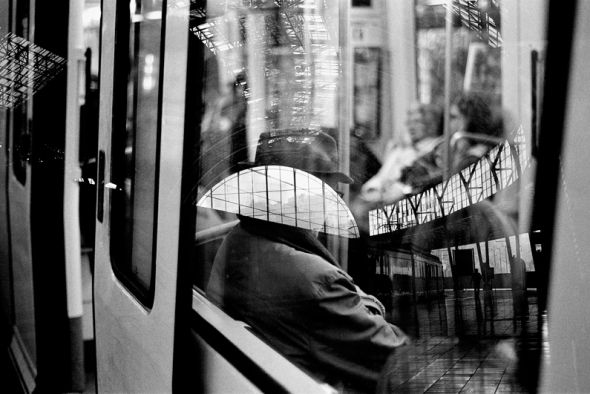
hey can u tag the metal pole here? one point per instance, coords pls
(345, 86)
(345, 106)
(448, 85)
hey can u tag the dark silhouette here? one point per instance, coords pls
(476, 280)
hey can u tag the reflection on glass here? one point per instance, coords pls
(277, 66)
(500, 167)
(283, 195)
(135, 133)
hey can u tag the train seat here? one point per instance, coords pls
(207, 242)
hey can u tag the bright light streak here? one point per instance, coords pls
(91, 16)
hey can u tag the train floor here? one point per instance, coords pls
(465, 344)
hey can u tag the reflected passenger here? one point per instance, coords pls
(476, 281)
(518, 284)
(474, 127)
(409, 168)
(290, 289)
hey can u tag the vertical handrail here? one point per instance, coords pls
(71, 198)
(447, 96)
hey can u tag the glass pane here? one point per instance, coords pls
(21, 142)
(135, 143)
(430, 110)
(283, 200)
(19, 116)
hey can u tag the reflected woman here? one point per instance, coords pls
(472, 116)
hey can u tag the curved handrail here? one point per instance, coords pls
(477, 137)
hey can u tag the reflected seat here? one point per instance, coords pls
(207, 242)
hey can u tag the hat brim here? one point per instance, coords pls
(244, 165)
(338, 176)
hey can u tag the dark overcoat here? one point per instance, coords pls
(283, 283)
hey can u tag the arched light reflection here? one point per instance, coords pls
(283, 195)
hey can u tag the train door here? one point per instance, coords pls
(5, 295)
(42, 337)
(18, 196)
(140, 160)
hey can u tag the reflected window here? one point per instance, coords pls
(460, 190)
(136, 128)
(275, 67)
(19, 115)
(283, 195)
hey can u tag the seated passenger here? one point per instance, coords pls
(408, 168)
(290, 289)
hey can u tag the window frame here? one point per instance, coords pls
(122, 262)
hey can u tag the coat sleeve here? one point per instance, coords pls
(351, 339)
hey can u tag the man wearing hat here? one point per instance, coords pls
(288, 287)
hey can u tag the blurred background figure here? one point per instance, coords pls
(519, 288)
(223, 130)
(475, 128)
(407, 167)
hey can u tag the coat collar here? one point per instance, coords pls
(300, 239)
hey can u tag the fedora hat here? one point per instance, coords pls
(312, 151)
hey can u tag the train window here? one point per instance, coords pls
(21, 141)
(136, 128)
(19, 115)
(422, 122)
